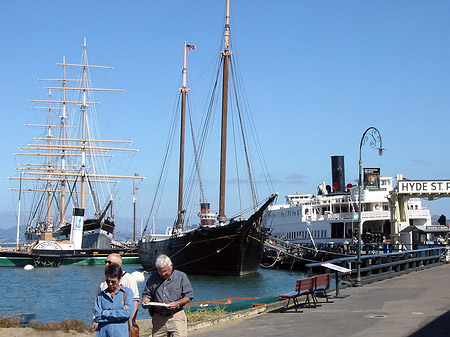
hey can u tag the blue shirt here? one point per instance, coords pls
(112, 322)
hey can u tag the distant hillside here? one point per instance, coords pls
(8, 235)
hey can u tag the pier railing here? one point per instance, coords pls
(381, 266)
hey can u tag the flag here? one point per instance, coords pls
(190, 47)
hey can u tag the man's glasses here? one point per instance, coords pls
(111, 281)
(108, 262)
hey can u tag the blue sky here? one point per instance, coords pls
(316, 74)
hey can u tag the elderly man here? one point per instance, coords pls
(173, 288)
(127, 281)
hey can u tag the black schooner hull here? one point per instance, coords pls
(233, 249)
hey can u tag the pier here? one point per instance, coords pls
(413, 304)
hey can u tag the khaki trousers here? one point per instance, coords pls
(173, 326)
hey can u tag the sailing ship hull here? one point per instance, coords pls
(96, 234)
(233, 249)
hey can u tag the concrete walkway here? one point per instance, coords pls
(414, 304)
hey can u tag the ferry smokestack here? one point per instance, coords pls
(338, 173)
(206, 217)
(76, 235)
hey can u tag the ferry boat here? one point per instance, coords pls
(331, 217)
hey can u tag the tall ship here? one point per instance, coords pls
(325, 225)
(218, 244)
(63, 175)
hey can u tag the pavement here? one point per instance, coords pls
(414, 304)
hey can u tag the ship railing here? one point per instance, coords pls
(348, 216)
(381, 266)
(376, 214)
(339, 216)
(342, 200)
(418, 212)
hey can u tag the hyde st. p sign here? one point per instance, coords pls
(423, 186)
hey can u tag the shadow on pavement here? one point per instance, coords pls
(439, 327)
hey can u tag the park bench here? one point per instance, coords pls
(322, 284)
(305, 287)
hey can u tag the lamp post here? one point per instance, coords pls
(373, 137)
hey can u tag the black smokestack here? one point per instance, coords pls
(338, 173)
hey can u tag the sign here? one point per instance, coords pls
(372, 178)
(78, 223)
(48, 245)
(423, 186)
(336, 267)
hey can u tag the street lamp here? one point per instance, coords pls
(373, 137)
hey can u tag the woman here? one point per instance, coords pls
(113, 306)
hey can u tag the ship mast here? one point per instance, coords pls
(63, 136)
(226, 54)
(83, 130)
(49, 164)
(184, 90)
(134, 210)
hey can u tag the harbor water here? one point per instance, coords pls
(68, 292)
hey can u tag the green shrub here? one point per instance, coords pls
(203, 314)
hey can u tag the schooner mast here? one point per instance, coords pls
(184, 90)
(226, 54)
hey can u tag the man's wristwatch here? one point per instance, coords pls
(178, 304)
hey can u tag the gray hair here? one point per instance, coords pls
(163, 260)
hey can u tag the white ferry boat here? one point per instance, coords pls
(331, 216)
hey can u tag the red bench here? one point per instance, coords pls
(304, 286)
(322, 283)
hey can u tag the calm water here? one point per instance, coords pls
(55, 294)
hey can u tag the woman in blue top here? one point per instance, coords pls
(113, 306)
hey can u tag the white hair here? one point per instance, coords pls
(163, 260)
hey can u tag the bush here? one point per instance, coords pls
(203, 314)
(12, 321)
(66, 326)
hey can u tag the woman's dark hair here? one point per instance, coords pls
(113, 270)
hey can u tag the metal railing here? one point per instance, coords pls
(381, 266)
